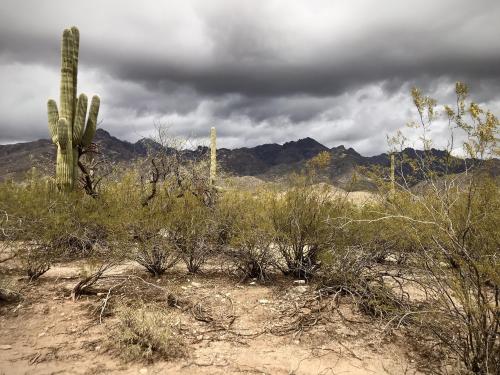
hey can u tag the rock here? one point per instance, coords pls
(195, 284)
(299, 282)
(300, 289)
(143, 370)
(252, 283)
(391, 258)
(263, 301)
(5, 347)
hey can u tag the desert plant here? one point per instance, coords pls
(155, 252)
(192, 230)
(144, 333)
(453, 219)
(67, 126)
(213, 156)
(250, 242)
(299, 218)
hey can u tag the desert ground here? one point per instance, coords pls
(228, 326)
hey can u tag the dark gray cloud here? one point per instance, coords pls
(261, 71)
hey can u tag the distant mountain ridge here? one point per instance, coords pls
(267, 161)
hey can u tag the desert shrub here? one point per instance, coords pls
(299, 219)
(193, 231)
(351, 270)
(155, 252)
(154, 249)
(144, 333)
(37, 221)
(250, 245)
(453, 220)
(459, 256)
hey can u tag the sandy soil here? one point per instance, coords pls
(48, 333)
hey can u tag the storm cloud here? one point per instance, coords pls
(260, 71)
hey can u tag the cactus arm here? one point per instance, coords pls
(91, 121)
(63, 133)
(78, 125)
(53, 115)
(67, 67)
(76, 47)
(64, 166)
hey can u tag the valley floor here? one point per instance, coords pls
(249, 328)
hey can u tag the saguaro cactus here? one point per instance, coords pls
(213, 156)
(393, 181)
(67, 125)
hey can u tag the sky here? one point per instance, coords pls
(260, 71)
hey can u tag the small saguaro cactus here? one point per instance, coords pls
(213, 156)
(393, 182)
(67, 125)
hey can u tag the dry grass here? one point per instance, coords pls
(145, 333)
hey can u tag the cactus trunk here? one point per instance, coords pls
(393, 181)
(67, 126)
(213, 156)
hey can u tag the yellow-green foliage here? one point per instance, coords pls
(192, 230)
(249, 232)
(300, 220)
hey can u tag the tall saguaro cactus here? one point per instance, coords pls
(67, 125)
(213, 156)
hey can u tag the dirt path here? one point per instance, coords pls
(48, 333)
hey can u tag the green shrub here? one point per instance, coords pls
(250, 246)
(301, 231)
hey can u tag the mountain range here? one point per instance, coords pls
(267, 162)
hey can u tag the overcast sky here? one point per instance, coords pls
(260, 71)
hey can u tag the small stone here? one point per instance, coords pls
(199, 337)
(97, 348)
(62, 314)
(143, 370)
(184, 287)
(5, 347)
(263, 301)
(41, 334)
(100, 294)
(391, 258)
(252, 283)
(195, 284)
(158, 281)
(300, 289)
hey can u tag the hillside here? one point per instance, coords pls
(268, 162)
